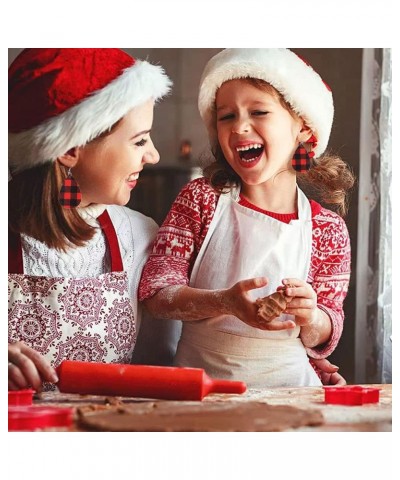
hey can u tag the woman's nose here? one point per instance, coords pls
(152, 156)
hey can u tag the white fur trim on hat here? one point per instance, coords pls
(299, 84)
(88, 119)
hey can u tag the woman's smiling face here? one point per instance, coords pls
(108, 167)
(257, 134)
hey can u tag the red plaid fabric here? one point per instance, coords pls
(70, 194)
(301, 161)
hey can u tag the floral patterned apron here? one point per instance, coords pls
(86, 319)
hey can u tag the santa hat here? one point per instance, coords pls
(60, 98)
(300, 85)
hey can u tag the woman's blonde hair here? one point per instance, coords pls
(329, 180)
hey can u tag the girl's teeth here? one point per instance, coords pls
(133, 177)
(249, 160)
(248, 147)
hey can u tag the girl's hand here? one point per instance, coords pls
(28, 368)
(316, 326)
(238, 303)
(303, 304)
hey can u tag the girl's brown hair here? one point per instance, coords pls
(329, 180)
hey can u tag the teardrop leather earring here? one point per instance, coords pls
(301, 160)
(70, 195)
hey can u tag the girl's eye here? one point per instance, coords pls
(258, 113)
(141, 143)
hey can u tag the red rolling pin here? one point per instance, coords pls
(144, 381)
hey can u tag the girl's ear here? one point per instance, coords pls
(305, 133)
(69, 159)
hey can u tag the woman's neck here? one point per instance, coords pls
(273, 196)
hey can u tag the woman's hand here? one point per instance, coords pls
(328, 372)
(28, 368)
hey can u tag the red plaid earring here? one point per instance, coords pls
(301, 160)
(70, 195)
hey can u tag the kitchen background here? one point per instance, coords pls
(361, 83)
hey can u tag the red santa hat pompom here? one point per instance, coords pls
(60, 98)
(300, 85)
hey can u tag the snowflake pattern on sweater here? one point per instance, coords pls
(181, 235)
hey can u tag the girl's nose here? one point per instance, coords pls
(240, 126)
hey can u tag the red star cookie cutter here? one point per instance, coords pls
(31, 418)
(351, 395)
(20, 397)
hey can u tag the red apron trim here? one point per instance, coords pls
(15, 262)
(112, 241)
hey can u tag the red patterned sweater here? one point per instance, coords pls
(181, 235)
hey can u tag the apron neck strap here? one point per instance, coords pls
(112, 241)
(15, 262)
(303, 206)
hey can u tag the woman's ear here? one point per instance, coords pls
(69, 159)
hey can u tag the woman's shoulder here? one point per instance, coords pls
(125, 219)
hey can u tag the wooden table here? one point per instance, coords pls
(370, 417)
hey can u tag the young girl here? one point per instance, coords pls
(247, 229)
(79, 136)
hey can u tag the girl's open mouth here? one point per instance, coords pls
(250, 155)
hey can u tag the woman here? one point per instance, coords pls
(79, 136)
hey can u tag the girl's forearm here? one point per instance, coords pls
(317, 332)
(181, 302)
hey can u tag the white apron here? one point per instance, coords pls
(86, 319)
(241, 244)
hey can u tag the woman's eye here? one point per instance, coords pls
(141, 143)
(225, 117)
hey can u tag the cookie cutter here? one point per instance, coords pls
(351, 395)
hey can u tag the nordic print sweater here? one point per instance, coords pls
(181, 235)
